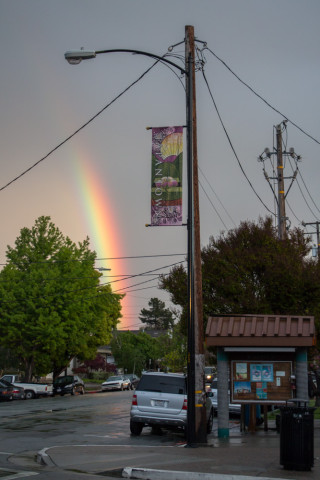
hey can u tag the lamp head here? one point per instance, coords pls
(267, 152)
(74, 57)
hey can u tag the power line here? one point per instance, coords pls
(52, 262)
(211, 203)
(261, 98)
(217, 197)
(80, 128)
(231, 145)
(135, 285)
(306, 188)
(144, 256)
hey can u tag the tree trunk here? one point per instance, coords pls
(28, 372)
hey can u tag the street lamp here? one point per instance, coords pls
(196, 431)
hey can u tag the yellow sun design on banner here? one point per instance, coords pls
(171, 147)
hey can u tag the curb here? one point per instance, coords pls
(44, 459)
(151, 474)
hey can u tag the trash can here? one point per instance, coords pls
(296, 435)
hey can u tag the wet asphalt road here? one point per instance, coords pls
(27, 427)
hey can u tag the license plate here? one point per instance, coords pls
(159, 403)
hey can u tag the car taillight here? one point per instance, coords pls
(134, 400)
(185, 406)
(15, 391)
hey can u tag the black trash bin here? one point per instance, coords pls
(296, 435)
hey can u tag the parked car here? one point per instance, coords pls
(6, 393)
(134, 380)
(160, 400)
(116, 382)
(212, 392)
(18, 392)
(31, 389)
(68, 384)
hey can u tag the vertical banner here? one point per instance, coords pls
(166, 176)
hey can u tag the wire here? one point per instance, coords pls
(232, 147)
(217, 197)
(293, 212)
(261, 98)
(225, 226)
(80, 128)
(135, 285)
(139, 289)
(308, 191)
(315, 216)
(144, 256)
(113, 281)
(303, 196)
(107, 258)
(140, 274)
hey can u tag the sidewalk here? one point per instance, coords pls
(241, 457)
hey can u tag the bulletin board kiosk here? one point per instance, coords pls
(261, 360)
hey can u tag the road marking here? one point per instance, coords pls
(12, 475)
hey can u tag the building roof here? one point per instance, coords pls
(260, 330)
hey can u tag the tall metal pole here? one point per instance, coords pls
(196, 431)
(281, 196)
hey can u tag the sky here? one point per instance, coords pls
(97, 183)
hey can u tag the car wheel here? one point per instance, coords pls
(29, 395)
(210, 422)
(136, 427)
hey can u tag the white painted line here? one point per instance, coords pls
(17, 474)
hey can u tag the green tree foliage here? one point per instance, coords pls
(249, 270)
(158, 316)
(7, 361)
(52, 307)
(174, 351)
(133, 352)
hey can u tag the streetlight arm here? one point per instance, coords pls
(75, 56)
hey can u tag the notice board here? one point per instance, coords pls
(260, 382)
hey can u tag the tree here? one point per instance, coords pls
(249, 270)
(133, 351)
(158, 317)
(174, 350)
(52, 307)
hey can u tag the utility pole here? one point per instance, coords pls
(281, 197)
(317, 233)
(196, 431)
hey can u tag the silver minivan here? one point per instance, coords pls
(160, 400)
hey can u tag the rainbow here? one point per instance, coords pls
(100, 219)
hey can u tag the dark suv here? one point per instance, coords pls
(160, 400)
(68, 384)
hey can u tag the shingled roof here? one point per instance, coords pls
(260, 330)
